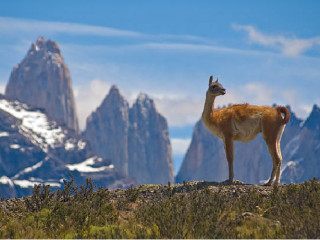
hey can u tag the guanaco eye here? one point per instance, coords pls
(214, 86)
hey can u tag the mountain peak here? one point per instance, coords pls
(294, 121)
(144, 100)
(313, 121)
(44, 47)
(42, 80)
(114, 99)
(316, 109)
(143, 96)
(41, 41)
(114, 90)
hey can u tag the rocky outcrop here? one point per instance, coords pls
(136, 139)
(36, 150)
(42, 80)
(150, 153)
(107, 129)
(300, 146)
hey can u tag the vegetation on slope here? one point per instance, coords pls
(189, 210)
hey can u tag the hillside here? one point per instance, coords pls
(189, 210)
(35, 149)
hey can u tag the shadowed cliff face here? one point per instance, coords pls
(150, 153)
(42, 80)
(107, 129)
(300, 146)
(136, 139)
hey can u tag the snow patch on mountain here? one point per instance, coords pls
(4, 134)
(290, 164)
(70, 144)
(27, 183)
(6, 180)
(292, 146)
(87, 165)
(30, 169)
(35, 125)
(81, 144)
(15, 146)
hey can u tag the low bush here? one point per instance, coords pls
(289, 211)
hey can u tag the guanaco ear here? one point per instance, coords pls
(217, 80)
(210, 80)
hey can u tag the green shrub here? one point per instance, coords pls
(183, 211)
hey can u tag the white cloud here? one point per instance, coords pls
(263, 94)
(89, 97)
(180, 145)
(260, 93)
(183, 110)
(16, 25)
(190, 47)
(292, 98)
(179, 110)
(289, 46)
(2, 88)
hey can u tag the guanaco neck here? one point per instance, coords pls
(208, 109)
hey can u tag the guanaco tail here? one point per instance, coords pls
(242, 123)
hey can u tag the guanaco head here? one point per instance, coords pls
(215, 88)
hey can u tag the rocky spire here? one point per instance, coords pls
(150, 153)
(135, 139)
(313, 121)
(107, 129)
(42, 79)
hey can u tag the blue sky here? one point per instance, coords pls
(264, 52)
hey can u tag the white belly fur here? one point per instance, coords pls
(247, 130)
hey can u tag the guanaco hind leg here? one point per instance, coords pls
(275, 153)
(279, 153)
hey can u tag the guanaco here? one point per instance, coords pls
(242, 123)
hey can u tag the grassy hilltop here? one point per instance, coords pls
(189, 210)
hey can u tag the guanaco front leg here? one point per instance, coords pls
(229, 149)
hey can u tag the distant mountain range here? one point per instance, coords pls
(40, 141)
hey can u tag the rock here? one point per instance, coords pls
(136, 139)
(150, 153)
(42, 80)
(107, 129)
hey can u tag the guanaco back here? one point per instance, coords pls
(242, 123)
